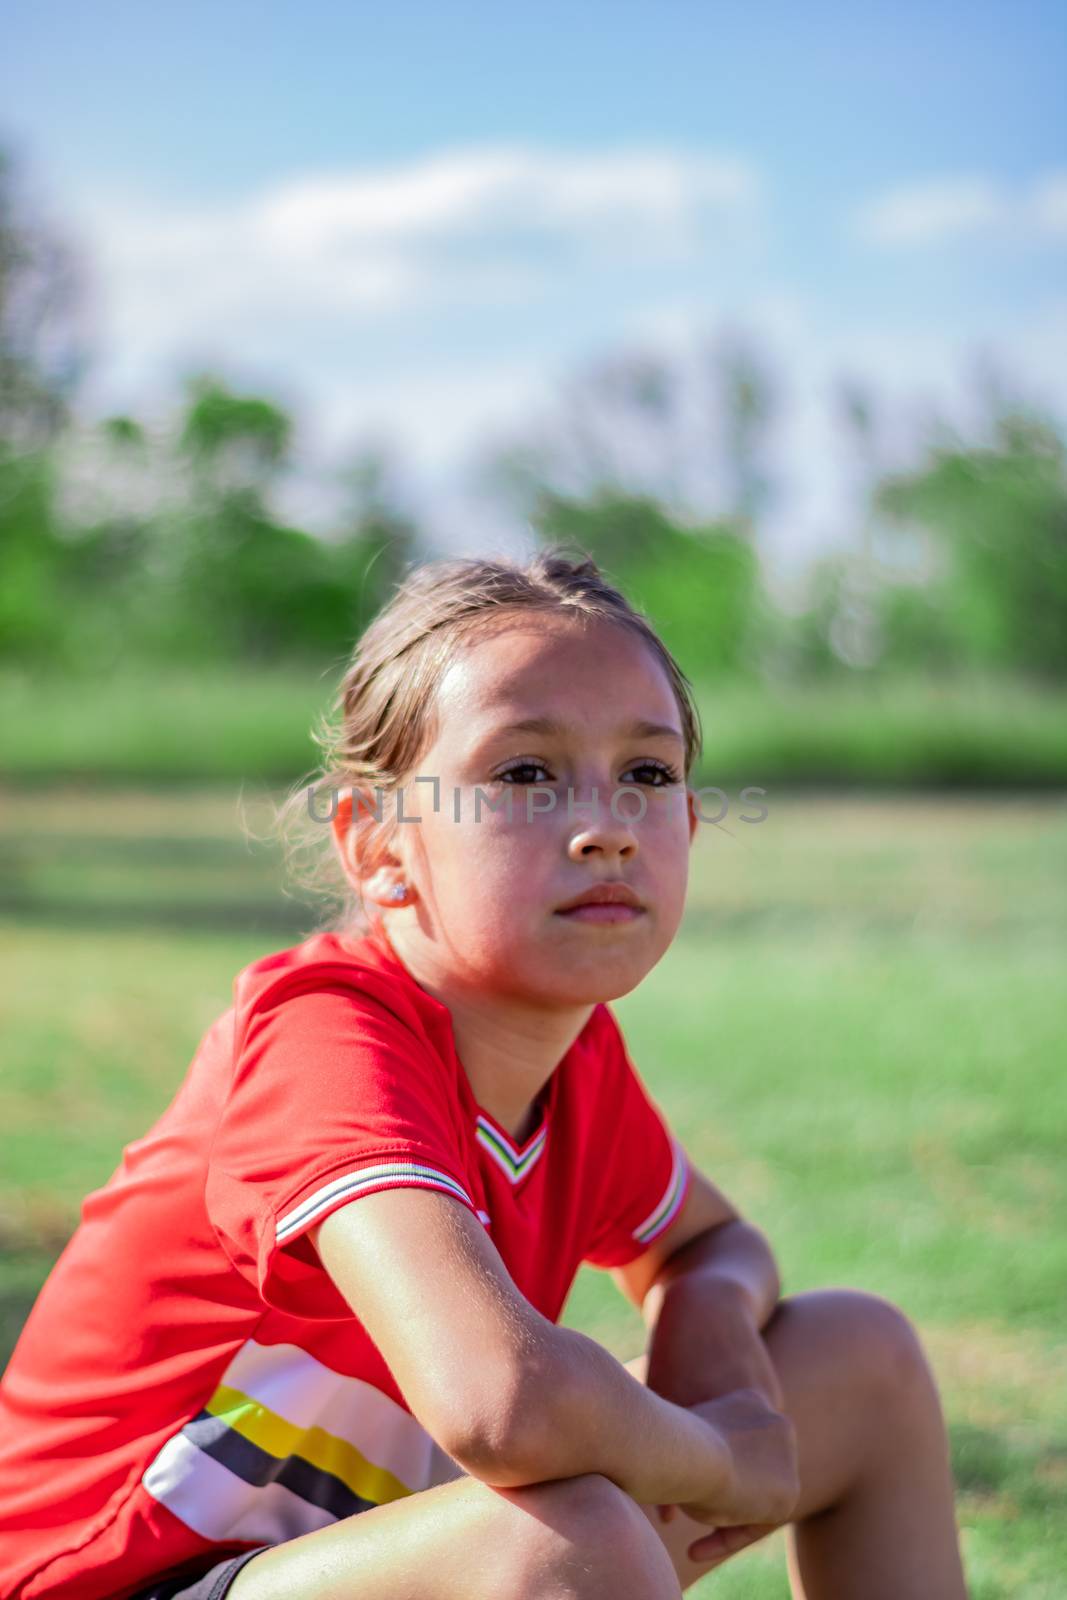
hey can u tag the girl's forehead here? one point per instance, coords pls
(529, 670)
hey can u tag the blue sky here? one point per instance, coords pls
(415, 222)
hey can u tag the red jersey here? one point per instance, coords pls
(189, 1382)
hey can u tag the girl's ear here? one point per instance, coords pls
(377, 874)
(341, 824)
(694, 817)
(345, 834)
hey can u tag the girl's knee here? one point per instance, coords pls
(878, 1347)
(890, 1341)
(592, 1538)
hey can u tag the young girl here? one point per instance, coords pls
(238, 1381)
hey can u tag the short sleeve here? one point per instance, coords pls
(643, 1171)
(333, 1097)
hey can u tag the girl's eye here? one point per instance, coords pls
(523, 766)
(664, 774)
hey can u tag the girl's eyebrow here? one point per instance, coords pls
(548, 726)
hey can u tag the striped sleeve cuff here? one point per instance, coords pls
(667, 1208)
(397, 1172)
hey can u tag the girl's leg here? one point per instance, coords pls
(875, 1519)
(572, 1539)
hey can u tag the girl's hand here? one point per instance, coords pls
(765, 1484)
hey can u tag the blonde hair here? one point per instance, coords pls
(384, 711)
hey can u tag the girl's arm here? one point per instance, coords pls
(513, 1398)
(705, 1313)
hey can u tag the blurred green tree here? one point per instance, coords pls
(701, 586)
(42, 346)
(994, 518)
(659, 467)
(379, 539)
(243, 577)
(254, 587)
(41, 359)
(749, 406)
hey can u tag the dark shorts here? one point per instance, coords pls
(210, 1585)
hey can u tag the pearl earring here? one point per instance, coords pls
(398, 891)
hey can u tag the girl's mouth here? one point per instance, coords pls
(602, 912)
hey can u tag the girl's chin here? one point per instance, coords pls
(564, 965)
(599, 977)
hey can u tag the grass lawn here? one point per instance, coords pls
(859, 1035)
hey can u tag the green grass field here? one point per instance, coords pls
(859, 1034)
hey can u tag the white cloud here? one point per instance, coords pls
(946, 209)
(490, 224)
(495, 187)
(1050, 203)
(929, 211)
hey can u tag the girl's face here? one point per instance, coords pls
(486, 913)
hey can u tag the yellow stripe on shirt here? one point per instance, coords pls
(280, 1439)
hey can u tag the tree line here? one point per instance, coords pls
(128, 540)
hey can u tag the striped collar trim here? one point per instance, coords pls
(514, 1162)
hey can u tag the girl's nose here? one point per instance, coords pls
(597, 829)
